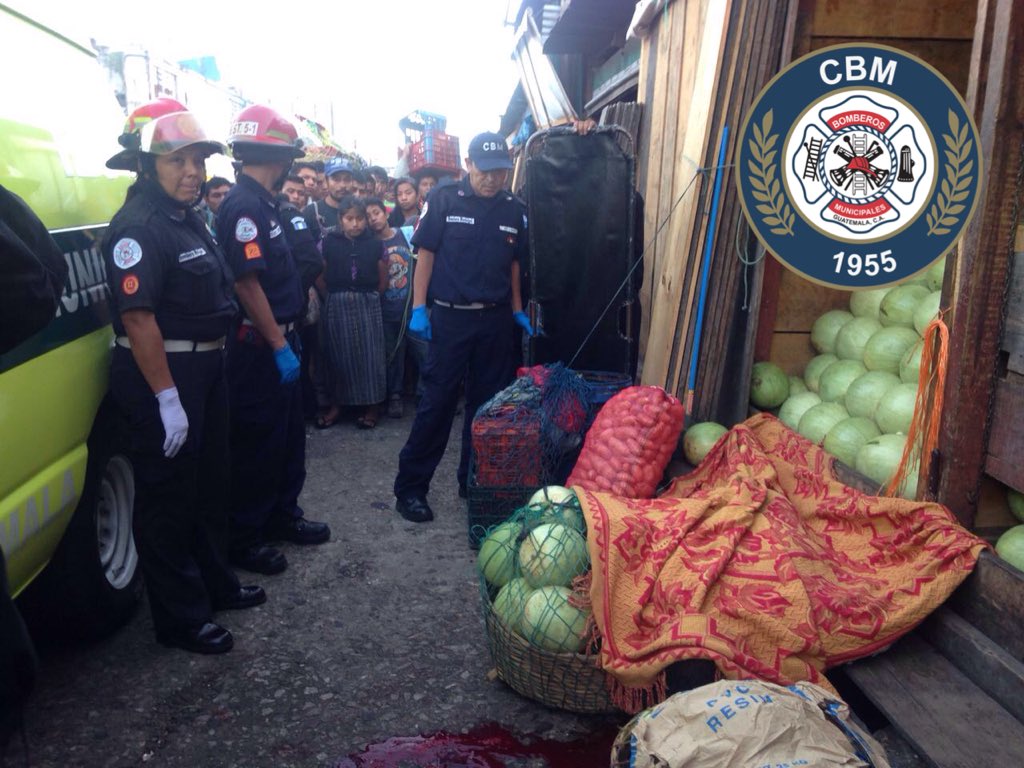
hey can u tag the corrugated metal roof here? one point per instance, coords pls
(550, 14)
(545, 13)
(590, 26)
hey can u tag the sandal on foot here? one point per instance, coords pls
(366, 422)
(325, 421)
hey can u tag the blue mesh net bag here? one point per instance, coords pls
(525, 437)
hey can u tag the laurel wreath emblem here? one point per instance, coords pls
(766, 187)
(945, 211)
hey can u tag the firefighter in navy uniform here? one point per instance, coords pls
(302, 241)
(171, 291)
(268, 435)
(470, 241)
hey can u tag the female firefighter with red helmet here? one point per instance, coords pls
(173, 308)
(268, 436)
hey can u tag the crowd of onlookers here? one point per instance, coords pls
(357, 355)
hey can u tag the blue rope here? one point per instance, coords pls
(706, 269)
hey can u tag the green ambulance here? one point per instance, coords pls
(66, 488)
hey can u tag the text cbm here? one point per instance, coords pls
(855, 68)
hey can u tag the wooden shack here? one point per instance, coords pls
(702, 63)
(952, 688)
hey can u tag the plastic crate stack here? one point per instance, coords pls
(435, 151)
(524, 438)
(507, 466)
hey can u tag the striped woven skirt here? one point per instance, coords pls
(355, 347)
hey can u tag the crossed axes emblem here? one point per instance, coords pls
(843, 177)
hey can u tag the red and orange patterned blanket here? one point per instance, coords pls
(763, 562)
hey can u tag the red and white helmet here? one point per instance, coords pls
(159, 128)
(262, 134)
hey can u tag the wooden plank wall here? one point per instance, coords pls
(683, 62)
(1005, 459)
(760, 36)
(984, 267)
(645, 96)
(700, 71)
(938, 31)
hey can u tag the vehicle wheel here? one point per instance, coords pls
(93, 583)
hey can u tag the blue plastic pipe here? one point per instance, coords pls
(705, 271)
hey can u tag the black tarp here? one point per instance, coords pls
(582, 208)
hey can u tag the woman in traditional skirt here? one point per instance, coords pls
(356, 274)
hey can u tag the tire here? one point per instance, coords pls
(93, 583)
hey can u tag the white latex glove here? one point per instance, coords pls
(174, 419)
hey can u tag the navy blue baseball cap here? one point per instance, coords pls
(338, 165)
(489, 152)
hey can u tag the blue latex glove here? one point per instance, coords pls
(287, 364)
(523, 322)
(419, 322)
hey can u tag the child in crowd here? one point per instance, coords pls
(407, 204)
(356, 275)
(427, 181)
(395, 300)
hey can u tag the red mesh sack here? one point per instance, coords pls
(630, 443)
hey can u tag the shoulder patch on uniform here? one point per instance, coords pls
(275, 229)
(127, 252)
(252, 251)
(245, 230)
(129, 285)
(298, 223)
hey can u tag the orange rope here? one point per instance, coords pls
(931, 382)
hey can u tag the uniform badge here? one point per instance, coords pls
(275, 229)
(252, 251)
(129, 285)
(127, 253)
(195, 253)
(298, 223)
(858, 166)
(245, 230)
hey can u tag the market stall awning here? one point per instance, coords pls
(590, 27)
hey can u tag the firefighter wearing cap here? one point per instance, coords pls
(171, 291)
(470, 241)
(268, 436)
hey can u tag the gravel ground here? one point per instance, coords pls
(377, 634)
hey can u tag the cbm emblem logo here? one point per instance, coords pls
(858, 166)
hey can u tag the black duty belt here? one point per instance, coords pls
(283, 327)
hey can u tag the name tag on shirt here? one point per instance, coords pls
(510, 230)
(275, 230)
(460, 220)
(195, 253)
